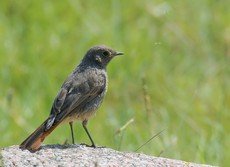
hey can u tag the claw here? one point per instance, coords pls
(83, 144)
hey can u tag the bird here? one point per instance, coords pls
(79, 97)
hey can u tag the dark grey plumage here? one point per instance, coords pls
(80, 96)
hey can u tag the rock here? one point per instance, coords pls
(79, 155)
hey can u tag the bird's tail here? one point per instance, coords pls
(34, 141)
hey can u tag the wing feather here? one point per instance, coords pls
(70, 98)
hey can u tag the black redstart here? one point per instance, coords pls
(80, 96)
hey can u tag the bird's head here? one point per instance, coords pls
(100, 55)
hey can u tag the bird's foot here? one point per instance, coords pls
(88, 145)
(101, 146)
(83, 144)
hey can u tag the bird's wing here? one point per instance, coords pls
(69, 98)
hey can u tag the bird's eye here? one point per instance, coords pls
(105, 53)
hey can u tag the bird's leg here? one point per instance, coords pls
(71, 128)
(84, 123)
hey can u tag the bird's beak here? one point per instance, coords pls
(118, 53)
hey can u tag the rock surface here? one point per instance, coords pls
(79, 155)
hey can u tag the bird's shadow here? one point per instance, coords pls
(63, 146)
(60, 146)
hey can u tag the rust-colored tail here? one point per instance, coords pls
(34, 141)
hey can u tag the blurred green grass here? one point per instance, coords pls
(174, 75)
